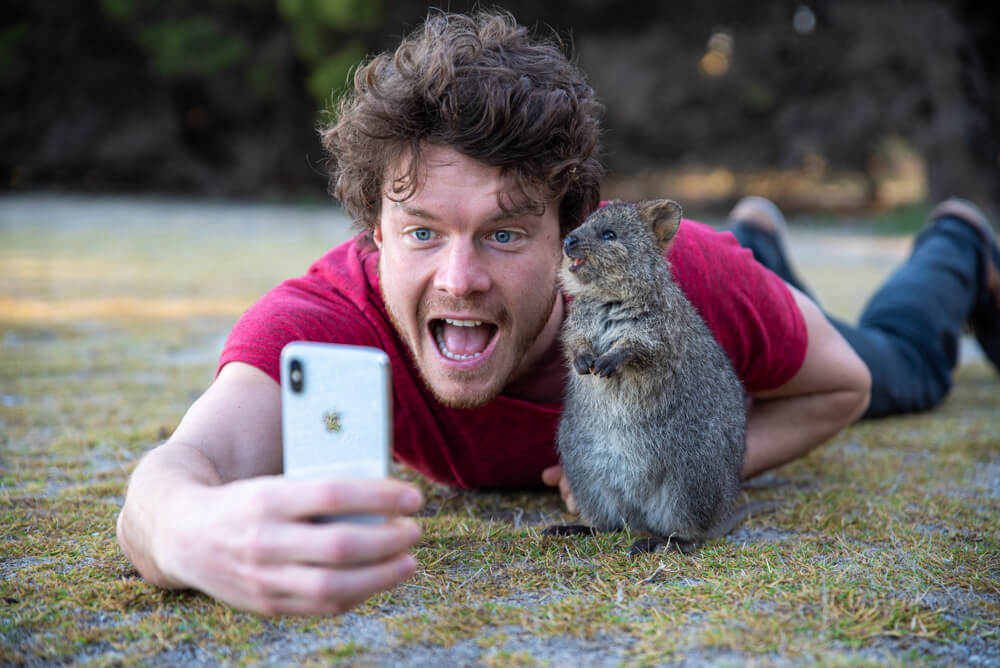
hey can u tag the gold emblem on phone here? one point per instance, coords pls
(332, 421)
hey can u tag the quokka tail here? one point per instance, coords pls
(737, 517)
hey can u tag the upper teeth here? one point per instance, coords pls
(439, 336)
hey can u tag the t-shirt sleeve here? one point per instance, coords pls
(295, 310)
(749, 309)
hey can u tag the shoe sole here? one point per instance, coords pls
(766, 215)
(970, 214)
(984, 321)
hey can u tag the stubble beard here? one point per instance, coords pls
(499, 315)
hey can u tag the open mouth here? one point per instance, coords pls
(463, 340)
(575, 263)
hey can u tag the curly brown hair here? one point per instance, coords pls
(484, 86)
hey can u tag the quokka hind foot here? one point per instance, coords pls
(640, 546)
(672, 542)
(570, 530)
(668, 543)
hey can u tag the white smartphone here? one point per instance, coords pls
(336, 413)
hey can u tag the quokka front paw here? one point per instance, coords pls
(582, 363)
(607, 365)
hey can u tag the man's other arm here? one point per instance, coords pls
(829, 392)
(206, 510)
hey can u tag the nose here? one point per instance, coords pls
(461, 272)
(570, 242)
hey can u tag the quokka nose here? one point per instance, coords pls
(570, 242)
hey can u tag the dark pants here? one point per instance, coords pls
(909, 332)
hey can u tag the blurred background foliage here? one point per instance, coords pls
(319, 27)
(826, 104)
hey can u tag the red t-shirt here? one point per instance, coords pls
(509, 441)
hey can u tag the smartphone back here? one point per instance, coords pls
(336, 411)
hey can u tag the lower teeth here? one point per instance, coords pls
(450, 355)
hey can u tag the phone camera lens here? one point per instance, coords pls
(295, 375)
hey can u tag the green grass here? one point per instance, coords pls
(903, 220)
(885, 552)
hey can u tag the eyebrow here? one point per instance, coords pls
(414, 211)
(526, 208)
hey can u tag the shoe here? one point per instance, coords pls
(984, 320)
(763, 214)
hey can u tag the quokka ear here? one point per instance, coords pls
(663, 216)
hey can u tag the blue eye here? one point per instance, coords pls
(607, 235)
(504, 236)
(422, 234)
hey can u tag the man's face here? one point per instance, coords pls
(471, 289)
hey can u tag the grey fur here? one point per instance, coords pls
(654, 422)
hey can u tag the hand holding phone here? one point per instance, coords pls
(336, 413)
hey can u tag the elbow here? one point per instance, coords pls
(852, 385)
(848, 402)
(142, 563)
(860, 394)
(125, 545)
(120, 534)
(134, 543)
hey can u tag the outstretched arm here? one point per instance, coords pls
(830, 391)
(205, 510)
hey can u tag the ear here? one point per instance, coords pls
(377, 235)
(663, 216)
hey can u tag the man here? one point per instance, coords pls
(464, 157)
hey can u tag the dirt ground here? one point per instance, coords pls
(112, 313)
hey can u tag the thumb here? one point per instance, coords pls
(552, 475)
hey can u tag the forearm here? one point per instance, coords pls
(782, 429)
(163, 484)
(207, 510)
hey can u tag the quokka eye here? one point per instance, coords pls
(607, 235)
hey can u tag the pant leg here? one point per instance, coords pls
(768, 251)
(908, 333)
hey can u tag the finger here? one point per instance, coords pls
(571, 504)
(308, 498)
(332, 545)
(567, 494)
(310, 590)
(564, 489)
(552, 475)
